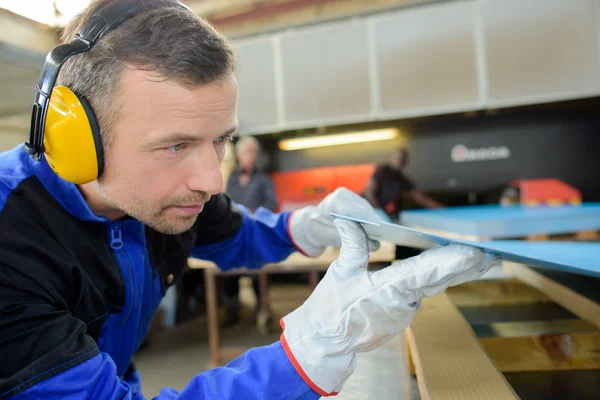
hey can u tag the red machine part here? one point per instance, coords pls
(552, 192)
(295, 189)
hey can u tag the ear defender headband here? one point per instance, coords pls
(63, 125)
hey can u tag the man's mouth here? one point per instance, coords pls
(191, 209)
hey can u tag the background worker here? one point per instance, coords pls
(389, 184)
(253, 189)
(386, 190)
(96, 224)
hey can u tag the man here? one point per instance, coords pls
(386, 190)
(388, 185)
(253, 189)
(247, 185)
(83, 266)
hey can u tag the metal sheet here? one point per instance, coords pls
(498, 222)
(576, 257)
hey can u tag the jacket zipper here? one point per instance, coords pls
(149, 274)
(118, 245)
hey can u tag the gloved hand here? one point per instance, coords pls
(353, 310)
(311, 227)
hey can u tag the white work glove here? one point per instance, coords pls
(353, 310)
(311, 227)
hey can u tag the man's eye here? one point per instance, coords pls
(178, 147)
(223, 139)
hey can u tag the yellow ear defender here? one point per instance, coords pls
(64, 128)
(72, 142)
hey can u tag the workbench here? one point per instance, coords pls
(535, 335)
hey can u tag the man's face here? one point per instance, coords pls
(167, 146)
(400, 159)
(246, 156)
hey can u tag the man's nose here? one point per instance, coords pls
(206, 175)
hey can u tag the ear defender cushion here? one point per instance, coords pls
(91, 116)
(72, 142)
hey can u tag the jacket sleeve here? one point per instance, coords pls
(262, 373)
(53, 357)
(231, 237)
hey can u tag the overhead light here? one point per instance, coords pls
(338, 139)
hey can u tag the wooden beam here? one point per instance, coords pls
(282, 14)
(449, 360)
(578, 304)
(587, 235)
(575, 351)
(540, 237)
(224, 7)
(409, 362)
(495, 293)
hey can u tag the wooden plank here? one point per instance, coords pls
(449, 360)
(540, 237)
(575, 351)
(495, 293)
(213, 318)
(587, 235)
(409, 362)
(532, 328)
(579, 305)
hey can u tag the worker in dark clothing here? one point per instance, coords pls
(253, 189)
(388, 186)
(386, 190)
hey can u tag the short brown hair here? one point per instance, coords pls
(173, 42)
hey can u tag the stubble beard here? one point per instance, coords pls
(157, 220)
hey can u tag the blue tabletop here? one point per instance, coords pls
(495, 221)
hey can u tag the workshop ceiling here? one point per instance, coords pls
(23, 42)
(242, 17)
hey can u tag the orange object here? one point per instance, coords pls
(295, 189)
(549, 192)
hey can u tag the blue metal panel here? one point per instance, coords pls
(495, 221)
(576, 257)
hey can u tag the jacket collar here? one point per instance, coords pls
(66, 193)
